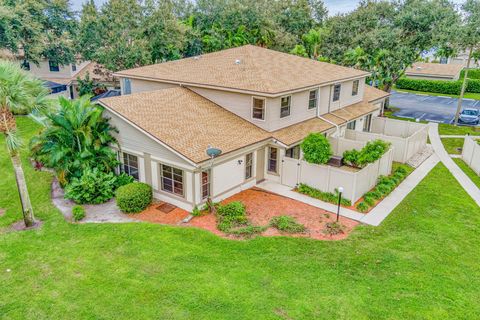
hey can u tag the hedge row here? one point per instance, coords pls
(472, 74)
(438, 86)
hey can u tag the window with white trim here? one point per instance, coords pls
(355, 87)
(53, 66)
(336, 92)
(74, 67)
(171, 179)
(312, 99)
(285, 106)
(293, 152)
(127, 86)
(366, 123)
(248, 166)
(205, 184)
(351, 125)
(273, 159)
(258, 109)
(129, 165)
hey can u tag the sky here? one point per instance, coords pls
(334, 6)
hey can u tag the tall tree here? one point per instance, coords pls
(39, 29)
(19, 92)
(89, 31)
(469, 39)
(123, 43)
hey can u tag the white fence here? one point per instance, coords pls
(407, 138)
(471, 154)
(327, 178)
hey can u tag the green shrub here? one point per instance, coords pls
(123, 179)
(472, 74)
(320, 195)
(93, 187)
(248, 231)
(316, 148)
(134, 197)
(196, 212)
(368, 200)
(363, 207)
(333, 228)
(438, 86)
(287, 224)
(78, 212)
(230, 216)
(370, 153)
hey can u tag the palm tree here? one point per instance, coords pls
(20, 93)
(75, 137)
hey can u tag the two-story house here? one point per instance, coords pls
(254, 104)
(62, 79)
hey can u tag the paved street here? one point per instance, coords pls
(429, 108)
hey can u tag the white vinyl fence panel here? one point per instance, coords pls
(471, 154)
(355, 184)
(407, 138)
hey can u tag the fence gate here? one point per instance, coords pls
(290, 171)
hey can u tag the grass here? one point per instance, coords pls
(450, 129)
(421, 263)
(452, 145)
(467, 95)
(468, 171)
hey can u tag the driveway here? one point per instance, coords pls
(428, 108)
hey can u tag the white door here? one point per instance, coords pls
(290, 171)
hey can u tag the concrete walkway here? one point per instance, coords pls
(457, 136)
(461, 177)
(379, 213)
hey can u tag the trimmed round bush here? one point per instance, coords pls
(134, 197)
(78, 212)
(316, 148)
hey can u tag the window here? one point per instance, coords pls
(53, 66)
(258, 109)
(25, 65)
(172, 179)
(351, 125)
(293, 152)
(272, 159)
(366, 122)
(355, 87)
(336, 92)
(248, 166)
(127, 86)
(205, 184)
(74, 67)
(130, 165)
(285, 106)
(312, 99)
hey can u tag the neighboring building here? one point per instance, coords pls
(255, 104)
(63, 79)
(434, 71)
(462, 59)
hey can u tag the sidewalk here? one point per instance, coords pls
(461, 177)
(457, 136)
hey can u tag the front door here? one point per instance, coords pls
(260, 171)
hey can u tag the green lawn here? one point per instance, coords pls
(421, 263)
(468, 171)
(467, 95)
(452, 145)
(450, 129)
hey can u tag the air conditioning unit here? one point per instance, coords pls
(335, 161)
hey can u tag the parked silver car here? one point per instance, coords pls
(470, 116)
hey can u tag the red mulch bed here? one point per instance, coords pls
(152, 214)
(262, 206)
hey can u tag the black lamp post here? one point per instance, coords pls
(212, 153)
(340, 190)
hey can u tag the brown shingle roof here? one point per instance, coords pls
(297, 132)
(434, 69)
(248, 68)
(372, 94)
(186, 121)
